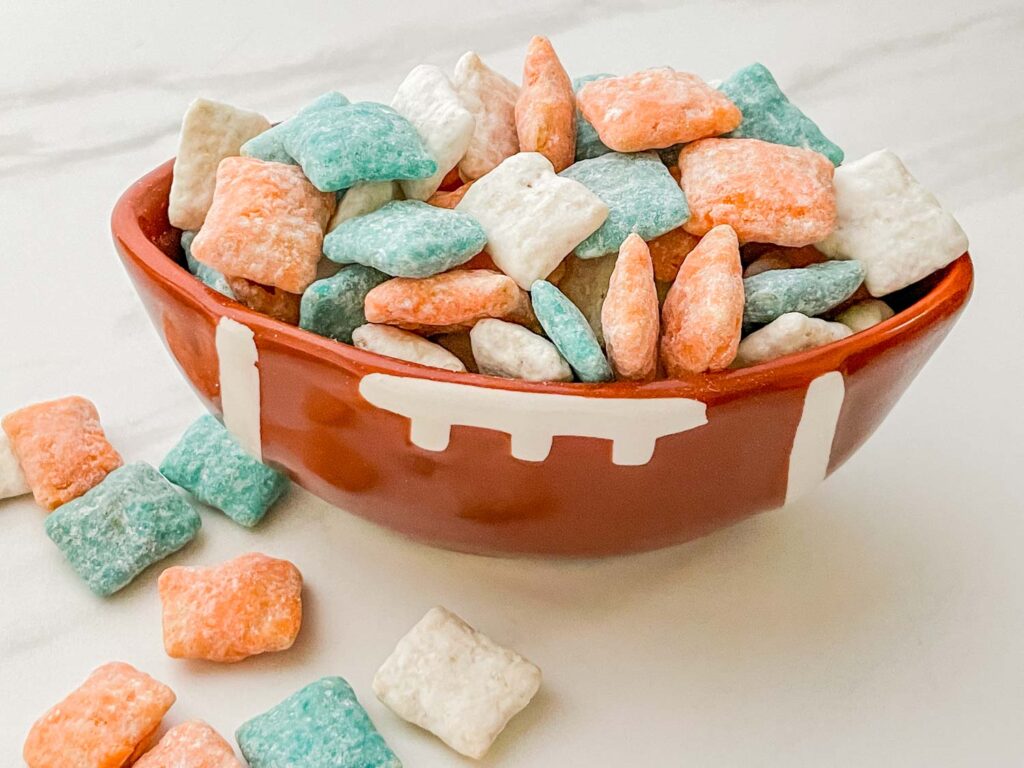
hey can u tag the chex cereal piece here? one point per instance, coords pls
(455, 682)
(340, 146)
(491, 99)
(546, 109)
(787, 335)
(206, 275)
(703, 312)
(566, 326)
(864, 314)
(891, 224)
(588, 143)
(321, 726)
(266, 224)
(61, 448)
(193, 744)
(427, 99)
(585, 284)
(654, 109)
(668, 252)
(514, 352)
(333, 307)
(269, 145)
(449, 199)
(134, 518)
(12, 479)
(765, 263)
(629, 316)
(641, 196)
(453, 300)
(106, 722)
(213, 467)
(210, 132)
(531, 216)
(407, 238)
(404, 345)
(810, 290)
(363, 198)
(768, 115)
(229, 612)
(266, 299)
(768, 193)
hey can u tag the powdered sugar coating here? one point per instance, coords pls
(546, 108)
(12, 479)
(864, 314)
(269, 145)
(363, 198)
(491, 99)
(566, 326)
(404, 345)
(809, 290)
(629, 316)
(193, 744)
(787, 335)
(514, 352)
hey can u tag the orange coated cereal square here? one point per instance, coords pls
(190, 745)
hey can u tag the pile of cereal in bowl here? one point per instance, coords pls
(605, 228)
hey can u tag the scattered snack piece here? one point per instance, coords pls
(640, 194)
(532, 217)
(491, 99)
(61, 448)
(208, 463)
(655, 109)
(668, 252)
(12, 479)
(269, 145)
(404, 345)
(266, 224)
(407, 239)
(274, 302)
(455, 682)
(588, 143)
(864, 314)
(629, 315)
(427, 99)
(363, 198)
(566, 326)
(229, 612)
(333, 307)
(585, 284)
(703, 313)
(190, 745)
(891, 224)
(107, 722)
(514, 352)
(134, 518)
(768, 193)
(546, 109)
(769, 116)
(321, 726)
(210, 132)
(787, 335)
(206, 275)
(810, 291)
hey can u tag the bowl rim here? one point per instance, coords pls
(947, 296)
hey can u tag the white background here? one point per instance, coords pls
(879, 622)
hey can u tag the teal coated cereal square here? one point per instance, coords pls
(333, 307)
(269, 145)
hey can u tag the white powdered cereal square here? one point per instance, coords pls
(427, 99)
(12, 480)
(491, 99)
(404, 345)
(533, 218)
(210, 132)
(453, 681)
(891, 224)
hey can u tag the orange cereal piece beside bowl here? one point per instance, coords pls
(190, 745)
(61, 447)
(629, 316)
(546, 108)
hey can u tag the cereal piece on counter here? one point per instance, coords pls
(641, 196)
(404, 345)
(321, 726)
(193, 744)
(567, 327)
(668, 252)
(407, 238)
(588, 143)
(455, 682)
(532, 217)
(134, 518)
(787, 335)
(629, 316)
(340, 146)
(766, 263)
(334, 307)
(206, 275)
(269, 145)
(546, 109)
(208, 463)
(12, 479)
(809, 290)
(768, 193)
(363, 198)
(891, 224)
(703, 311)
(769, 116)
(61, 448)
(448, 301)
(427, 99)
(451, 198)
(106, 722)
(864, 314)
(460, 345)
(514, 352)
(266, 224)
(655, 109)
(266, 299)
(585, 284)
(491, 99)
(229, 612)
(210, 132)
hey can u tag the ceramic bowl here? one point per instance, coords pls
(488, 465)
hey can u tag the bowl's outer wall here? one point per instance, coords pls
(475, 496)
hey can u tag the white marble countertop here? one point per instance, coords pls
(878, 622)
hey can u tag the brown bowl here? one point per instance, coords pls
(483, 464)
